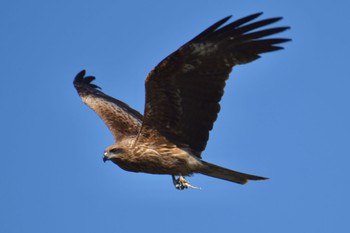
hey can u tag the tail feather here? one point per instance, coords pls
(227, 174)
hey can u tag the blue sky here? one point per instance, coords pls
(285, 116)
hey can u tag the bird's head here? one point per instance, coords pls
(112, 153)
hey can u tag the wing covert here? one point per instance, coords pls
(122, 120)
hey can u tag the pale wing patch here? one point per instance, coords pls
(202, 49)
(111, 108)
(187, 68)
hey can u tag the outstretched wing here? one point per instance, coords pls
(121, 120)
(183, 91)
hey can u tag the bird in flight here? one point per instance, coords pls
(182, 102)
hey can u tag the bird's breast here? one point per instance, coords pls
(159, 160)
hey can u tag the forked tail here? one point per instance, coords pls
(227, 174)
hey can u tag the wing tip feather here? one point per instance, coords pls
(81, 79)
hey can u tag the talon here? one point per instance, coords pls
(181, 183)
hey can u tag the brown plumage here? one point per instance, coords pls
(182, 102)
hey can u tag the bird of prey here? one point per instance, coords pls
(182, 102)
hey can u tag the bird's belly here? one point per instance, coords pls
(173, 164)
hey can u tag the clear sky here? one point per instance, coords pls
(285, 116)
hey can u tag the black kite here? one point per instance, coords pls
(182, 102)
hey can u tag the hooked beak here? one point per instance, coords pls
(105, 157)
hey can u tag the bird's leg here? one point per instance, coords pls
(181, 183)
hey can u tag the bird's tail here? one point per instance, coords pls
(227, 174)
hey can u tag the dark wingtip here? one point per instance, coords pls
(248, 18)
(287, 28)
(210, 29)
(80, 78)
(225, 19)
(283, 40)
